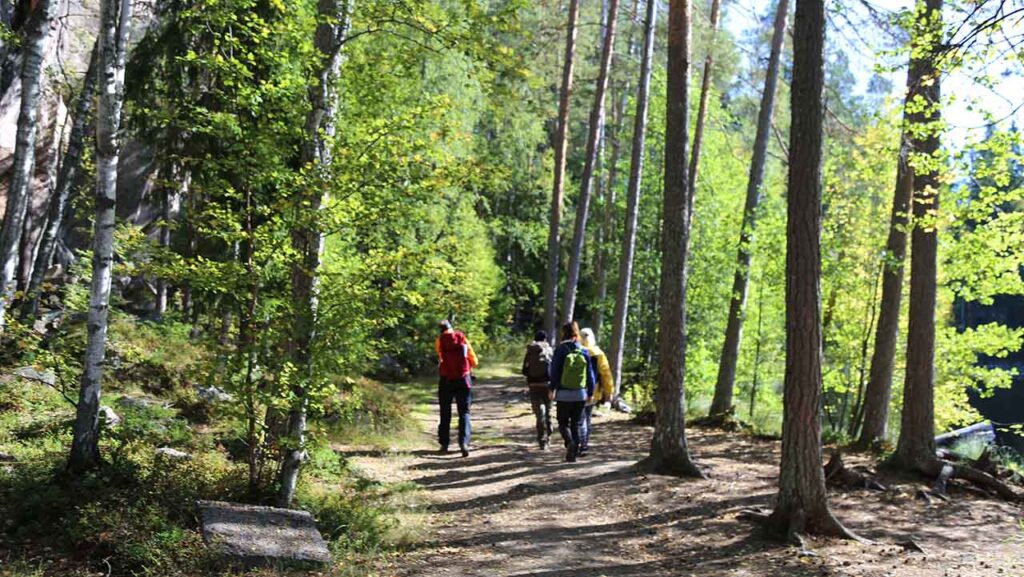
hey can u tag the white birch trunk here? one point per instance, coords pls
(33, 51)
(115, 27)
(307, 240)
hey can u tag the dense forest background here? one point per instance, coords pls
(429, 187)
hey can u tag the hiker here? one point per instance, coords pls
(536, 368)
(603, 390)
(456, 360)
(572, 385)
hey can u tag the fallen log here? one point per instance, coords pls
(983, 432)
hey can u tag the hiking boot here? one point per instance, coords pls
(582, 453)
(543, 445)
(443, 450)
(465, 450)
(570, 454)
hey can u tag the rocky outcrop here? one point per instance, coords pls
(252, 536)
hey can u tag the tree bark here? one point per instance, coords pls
(802, 505)
(606, 231)
(307, 240)
(702, 110)
(587, 179)
(915, 448)
(70, 167)
(175, 187)
(558, 188)
(883, 359)
(115, 28)
(722, 402)
(33, 53)
(669, 451)
(636, 170)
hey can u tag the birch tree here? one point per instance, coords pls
(70, 167)
(333, 17)
(33, 52)
(115, 27)
(722, 403)
(560, 144)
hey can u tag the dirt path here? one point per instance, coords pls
(512, 510)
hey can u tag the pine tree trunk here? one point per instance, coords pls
(669, 452)
(802, 505)
(878, 393)
(114, 32)
(33, 53)
(722, 403)
(587, 179)
(916, 445)
(561, 141)
(307, 239)
(636, 170)
(70, 167)
(702, 110)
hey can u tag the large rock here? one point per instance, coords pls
(110, 418)
(252, 536)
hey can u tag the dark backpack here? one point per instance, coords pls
(574, 370)
(538, 359)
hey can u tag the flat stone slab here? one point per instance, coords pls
(256, 536)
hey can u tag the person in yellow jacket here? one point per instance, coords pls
(605, 385)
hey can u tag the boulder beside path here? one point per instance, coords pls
(255, 536)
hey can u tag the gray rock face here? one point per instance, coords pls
(139, 403)
(110, 418)
(254, 536)
(214, 395)
(46, 377)
(173, 454)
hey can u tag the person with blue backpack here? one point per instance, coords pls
(572, 386)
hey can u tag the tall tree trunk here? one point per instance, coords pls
(606, 231)
(307, 240)
(916, 445)
(883, 359)
(70, 167)
(636, 170)
(33, 52)
(669, 452)
(802, 505)
(587, 179)
(722, 403)
(175, 187)
(558, 188)
(702, 110)
(116, 16)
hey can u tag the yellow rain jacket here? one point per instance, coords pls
(605, 383)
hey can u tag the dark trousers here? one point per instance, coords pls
(588, 414)
(541, 403)
(459, 391)
(570, 422)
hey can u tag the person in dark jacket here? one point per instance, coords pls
(572, 385)
(536, 369)
(456, 360)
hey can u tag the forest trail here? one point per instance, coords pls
(510, 510)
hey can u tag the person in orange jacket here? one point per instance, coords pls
(456, 361)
